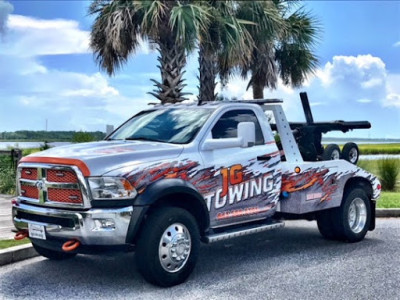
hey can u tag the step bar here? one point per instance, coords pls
(241, 232)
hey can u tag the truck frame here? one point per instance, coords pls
(177, 175)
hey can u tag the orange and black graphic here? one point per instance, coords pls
(229, 192)
(316, 178)
(185, 170)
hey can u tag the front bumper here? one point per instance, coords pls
(83, 225)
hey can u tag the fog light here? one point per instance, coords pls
(104, 224)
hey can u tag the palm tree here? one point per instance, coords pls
(293, 53)
(224, 44)
(282, 44)
(170, 26)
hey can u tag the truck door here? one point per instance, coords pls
(249, 179)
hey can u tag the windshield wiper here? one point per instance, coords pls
(143, 138)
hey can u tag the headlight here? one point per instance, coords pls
(105, 188)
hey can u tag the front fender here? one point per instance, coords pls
(174, 191)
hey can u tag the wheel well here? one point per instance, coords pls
(187, 202)
(358, 182)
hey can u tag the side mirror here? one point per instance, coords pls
(246, 138)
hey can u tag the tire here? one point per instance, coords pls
(52, 254)
(156, 251)
(351, 153)
(353, 218)
(326, 225)
(331, 152)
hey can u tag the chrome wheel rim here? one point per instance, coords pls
(175, 246)
(353, 153)
(357, 215)
(335, 155)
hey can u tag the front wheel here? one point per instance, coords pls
(168, 246)
(354, 216)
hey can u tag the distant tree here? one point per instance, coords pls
(82, 137)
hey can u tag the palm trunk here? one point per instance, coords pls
(208, 72)
(263, 71)
(172, 61)
(258, 88)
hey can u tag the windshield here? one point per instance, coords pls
(177, 126)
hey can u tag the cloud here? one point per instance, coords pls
(396, 44)
(29, 37)
(5, 9)
(69, 100)
(32, 91)
(346, 88)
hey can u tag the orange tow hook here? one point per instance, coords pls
(20, 235)
(70, 245)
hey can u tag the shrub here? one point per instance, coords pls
(82, 137)
(388, 170)
(7, 176)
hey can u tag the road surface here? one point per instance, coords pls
(290, 263)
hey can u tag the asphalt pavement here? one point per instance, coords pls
(6, 225)
(290, 263)
(18, 253)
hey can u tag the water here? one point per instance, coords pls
(25, 145)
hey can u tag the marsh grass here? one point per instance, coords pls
(366, 149)
(388, 171)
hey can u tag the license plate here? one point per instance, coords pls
(37, 231)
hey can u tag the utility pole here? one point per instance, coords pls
(46, 124)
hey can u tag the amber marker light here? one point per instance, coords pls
(297, 169)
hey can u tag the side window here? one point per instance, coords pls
(226, 127)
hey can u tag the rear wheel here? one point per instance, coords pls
(52, 254)
(353, 216)
(331, 152)
(168, 246)
(351, 153)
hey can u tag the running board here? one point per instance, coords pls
(241, 232)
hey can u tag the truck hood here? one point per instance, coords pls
(105, 156)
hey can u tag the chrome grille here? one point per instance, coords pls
(50, 185)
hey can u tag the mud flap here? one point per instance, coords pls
(373, 209)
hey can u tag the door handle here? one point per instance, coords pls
(264, 157)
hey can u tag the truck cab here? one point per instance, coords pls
(176, 175)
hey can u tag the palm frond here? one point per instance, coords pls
(302, 28)
(190, 22)
(295, 64)
(114, 34)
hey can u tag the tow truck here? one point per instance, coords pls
(174, 176)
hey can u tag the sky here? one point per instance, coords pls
(48, 73)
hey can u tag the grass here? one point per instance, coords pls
(366, 149)
(372, 166)
(28, 151)
(11, 243)
(388, 171)
(389, 200)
